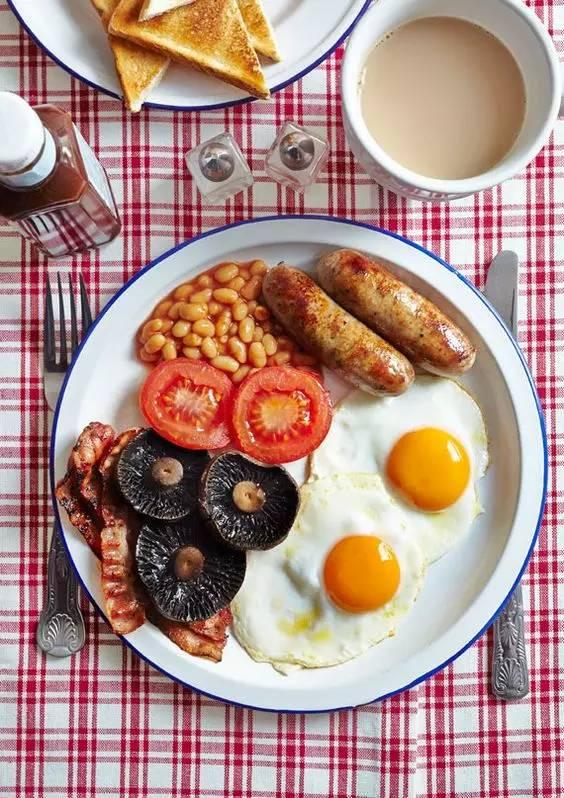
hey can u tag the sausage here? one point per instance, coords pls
(409, 321)
(336, 338)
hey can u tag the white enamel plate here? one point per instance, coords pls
(463, 591)
(70, 32)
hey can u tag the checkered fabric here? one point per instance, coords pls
(103, 723)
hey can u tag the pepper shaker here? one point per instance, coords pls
(296, 157)
(219, 168)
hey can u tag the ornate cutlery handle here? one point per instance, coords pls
(61, 627)
(510, 675)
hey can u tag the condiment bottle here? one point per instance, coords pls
(52, 186)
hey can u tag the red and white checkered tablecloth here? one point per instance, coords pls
(103, 723)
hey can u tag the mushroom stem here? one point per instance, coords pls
(248, 496)
(167, 471)
(188, 563)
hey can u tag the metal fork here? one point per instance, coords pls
(60, 631)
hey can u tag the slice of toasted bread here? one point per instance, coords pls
(209, 35)
(139, 70)
(259, 28)
(153, 8)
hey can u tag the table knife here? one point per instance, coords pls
(510, 676)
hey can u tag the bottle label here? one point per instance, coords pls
(94, 170)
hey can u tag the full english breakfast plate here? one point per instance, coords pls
(302, 464)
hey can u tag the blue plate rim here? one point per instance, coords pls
(211, 106)
(348, 222)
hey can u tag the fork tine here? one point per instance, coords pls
(48, 329)
(84, 307)
(74, 325)
(63, 361)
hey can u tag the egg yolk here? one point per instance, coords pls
(361, 573)
(430, 468)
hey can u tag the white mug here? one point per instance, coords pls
(514, 24)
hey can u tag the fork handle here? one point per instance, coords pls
(510, 674)
(61, 627)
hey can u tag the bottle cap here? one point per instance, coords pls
(23, 134)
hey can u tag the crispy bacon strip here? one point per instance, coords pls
(188, 640)
(88, 452)
(108, 463)
(79, 515)
(215, 628)
(125, 604)
(90, 447)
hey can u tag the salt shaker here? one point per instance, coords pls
(219, 168)
(297, 157)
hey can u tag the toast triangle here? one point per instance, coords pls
(209, 35)
(259, 28)
(139, 70)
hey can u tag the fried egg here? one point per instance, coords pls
(343, 579)
(429, 445)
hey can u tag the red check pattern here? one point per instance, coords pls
(104, 723)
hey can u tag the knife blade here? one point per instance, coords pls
(510, 675)
(502, 283)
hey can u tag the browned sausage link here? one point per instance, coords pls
(340, 341)
(395, 311)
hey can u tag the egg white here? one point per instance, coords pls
(365, 429)
(282, 614)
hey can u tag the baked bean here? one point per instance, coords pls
(236, 283)
(193, 312)
(252, 305)
(240, 310)
(281, 358)
(237, 349)
(222, 325)
(270, 344)
(209, 348)
(202, 296)
(152, 326)
(246, 329)
(224, 339)
(155, 343)
(261, 313)
(203, 327)
(244, 273)
(192, 339)
(191, 352)
(167, 326)
(232, 328)
(147, 357)
(221, 347)
(205, 281)
(257, 355)
(258, 267)
(169, 351)
(181, 328)
(258, 334)
(162, 309)
(174, 310)
(240, 374)
(226, 272)
(214, 308)
(301, 359)
(184, 291)
(225, 363)
(252, 288)
(227, 296)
